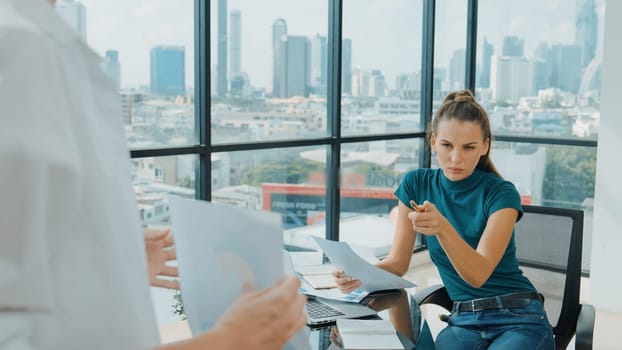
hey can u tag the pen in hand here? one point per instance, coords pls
(416, 207)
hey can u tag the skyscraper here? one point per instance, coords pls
(510, 78)
(457, 69)
(74, 13)
(512, 46)
(346, 66)
(168, 73)
(279, 31)
(566, 67)
(319, 64)
(586, 30)
(484, 71)
(295, 66)
(221, 75)
(112, 67)
(235, 50)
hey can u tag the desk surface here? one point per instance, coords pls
(396, 308)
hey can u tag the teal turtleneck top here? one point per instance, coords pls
(468, 204)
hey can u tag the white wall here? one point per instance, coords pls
(606, 274)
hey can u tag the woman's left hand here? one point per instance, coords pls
(430, 221)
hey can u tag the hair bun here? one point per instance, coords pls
(460, 96)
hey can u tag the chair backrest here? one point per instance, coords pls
(549, 249)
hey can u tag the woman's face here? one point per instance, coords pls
(458, 146)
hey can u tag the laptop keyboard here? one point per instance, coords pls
(317, 310)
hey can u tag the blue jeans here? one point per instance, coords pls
(515, 328)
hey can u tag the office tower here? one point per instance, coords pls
(221, 75)
(541, 73)
(566, 65)
(510, 78)
(235, 51)
(377, 83)
(74, 13)
(294, 66)
(319, 66)
(457, 72)
(512, 46)
(484, 71)
(112, 67)
(346, 66)
(279, 31)
(360, 82)
(168, 73)
(586, 30)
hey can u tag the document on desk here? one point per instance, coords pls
(368, 335)
(219, 249)
(372, 278)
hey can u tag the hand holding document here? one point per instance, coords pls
(220, 249)
(372, 278)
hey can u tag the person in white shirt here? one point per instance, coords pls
(73, 271)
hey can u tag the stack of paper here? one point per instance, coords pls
(368, 334)
(318, 276)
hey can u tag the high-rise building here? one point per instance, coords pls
(566, 65)
(168, 73)
(484, 71)
(457, 69)
(112, 67)
(586, 30)
(295, 66)
(319, 66)
(74, 13)
(235, 47)
(512, 46)
(221, 74)
(279, 31)
(346, 66)
(510, 78)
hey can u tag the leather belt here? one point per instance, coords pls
(520, 299)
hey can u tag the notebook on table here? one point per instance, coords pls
(322, 311)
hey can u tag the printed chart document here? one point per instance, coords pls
(219, 249)
(372, 278)
(368, 334)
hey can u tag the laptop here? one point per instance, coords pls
(323, 312)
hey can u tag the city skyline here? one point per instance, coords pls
(146, 24)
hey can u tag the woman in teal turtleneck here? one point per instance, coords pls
(467, 213)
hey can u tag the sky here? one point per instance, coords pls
(386, 34)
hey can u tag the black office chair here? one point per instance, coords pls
(549, 249)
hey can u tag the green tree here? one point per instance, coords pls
(284, 170)
(569, 175)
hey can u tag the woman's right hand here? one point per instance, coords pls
(344, 282)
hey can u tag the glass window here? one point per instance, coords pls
(552, 176)
(381, 64)
(449, 48)
(269, 70)
(370, 173)
(539, 66)
(148, 51)
(289, 181)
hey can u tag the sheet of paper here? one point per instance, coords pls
(372, 278)
(368, 334)
(321, 281)
(333, 293)
(219, 249)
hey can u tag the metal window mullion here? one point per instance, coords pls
(471, 46)
(427, 76)
(335, 21)
(202, 117)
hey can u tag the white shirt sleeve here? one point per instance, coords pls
(37, 178)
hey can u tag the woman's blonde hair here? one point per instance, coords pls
(461, 106)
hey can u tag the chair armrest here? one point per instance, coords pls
(435, 294)
(585, 327)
